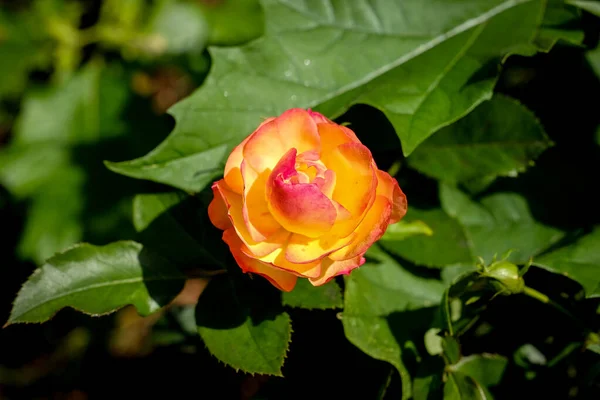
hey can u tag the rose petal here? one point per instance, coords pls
(302, 249)
(306, 270)
(257, 217)
(280, 279)
(388, 187)
(333, 135)
(299, 207)
(330, 269)
(371, 228)
(233, 201)
(217, 209)
(355, 184)
(292, 129)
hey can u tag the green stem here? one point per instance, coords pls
(547, 300)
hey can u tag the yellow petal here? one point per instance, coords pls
(279, 278)
(371, 228)
(388, 187)
(302, 249)
(233, 202)
(217, 209)
(257, 217)
(330, 269)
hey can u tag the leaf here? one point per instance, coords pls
(486, 369)
(305, 295)
(587, 5)
(424, 72)
(177, 226)
(24, 45)
(233, 22)
(386, 307)
(498, 223)
(54, 151)
(242, 327)
(98, 280)
(462, 387)
(579, 261)
(447, 245)
(404, 229)
(560, 22)
(54, 215)
(499, 138)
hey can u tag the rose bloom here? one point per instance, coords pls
(302, 197)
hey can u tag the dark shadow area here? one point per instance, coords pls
(193, 242)
(562, 90)
(383, 143)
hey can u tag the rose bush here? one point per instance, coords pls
(302, 197)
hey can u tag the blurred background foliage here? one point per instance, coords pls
(86, 81)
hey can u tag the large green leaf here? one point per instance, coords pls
(386, 308)
(447, 244)
(424, 64)
(498, 223)
(579, 261)
(499, 138)
(243, 326)
(305, 295)
(98, 280)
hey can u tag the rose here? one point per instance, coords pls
(302, 197)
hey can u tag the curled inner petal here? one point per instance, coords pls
(299, 207)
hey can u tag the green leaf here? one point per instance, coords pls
(54, 215)
(579, 261)
(177, 226)
(447, 245)
(560, 23)
(80, 111)
(423, 72)
(591, 6)
(462, 387)
(386, 308)
(24, 45)
(405, 229)
(487, 369)
(498, 223)
(451, 349)
(305, 295)
(97, 280)
(499, 138)
(233, 22)
(243, 327)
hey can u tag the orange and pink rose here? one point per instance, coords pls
(302, 197)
